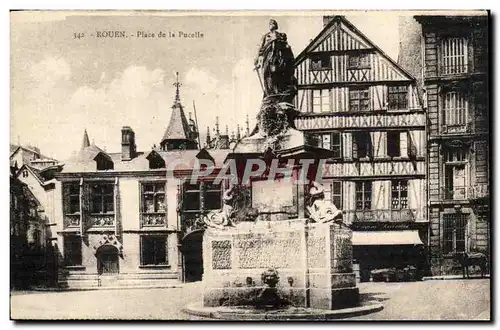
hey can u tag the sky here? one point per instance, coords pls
(61, 85)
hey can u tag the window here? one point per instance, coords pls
(153, 250)
(321, 62)
(359, 99)
(25, 173)
(363, 195)
(455, 174)
(103, 198)
(194, 194)
(454, 232)
(72, 250)
(454, 55)
(153, 197)
(359, 61)
(333, 193)
(213, 199)
(399, 194)
(361, 145)
(71, 193)
(393, 144)
(103, 162)
(397, 97)
(331, 141)
(455, 109)
(321, 100)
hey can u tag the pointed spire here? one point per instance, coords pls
(180, 134)
(227, 131)
(208, 137)
(238, 134)
(248, 126)
(86, 141)
(177, 84)
(217, 125)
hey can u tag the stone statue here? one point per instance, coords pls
(223, 217)
(322, 210)
(275, 65)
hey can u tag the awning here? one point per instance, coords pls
(394, 237)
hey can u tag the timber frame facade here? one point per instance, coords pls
(356, 101)
(455, 66)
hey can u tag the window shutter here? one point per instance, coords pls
(403, 141)
(355, 145)
(370, 145)
(66, 201)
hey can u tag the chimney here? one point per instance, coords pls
(128, 143)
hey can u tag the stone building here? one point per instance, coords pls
(356, 101)
(31, 253)
(449, 57)
(131, 218)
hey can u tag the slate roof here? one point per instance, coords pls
(83, 161)
(178, 127)
(15, 147)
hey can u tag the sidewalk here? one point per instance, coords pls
(452, 277)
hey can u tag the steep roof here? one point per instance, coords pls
(178, 127)
(360, 38)
(86, 141)
(183, 160)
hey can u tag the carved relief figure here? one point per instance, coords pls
(322, 210)
(223, 217)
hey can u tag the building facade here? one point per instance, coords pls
(356, 101)
(132, 218)
(454, 72)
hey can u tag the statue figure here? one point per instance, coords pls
(223, 217)
(322, 210)
(275, 65)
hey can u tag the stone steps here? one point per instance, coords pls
(124, 280)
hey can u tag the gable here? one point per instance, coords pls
(338, 37)
(338, 41)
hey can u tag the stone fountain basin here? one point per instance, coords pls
(250, 313)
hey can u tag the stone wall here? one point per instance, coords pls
(314, 263)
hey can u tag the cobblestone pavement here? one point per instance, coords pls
(427, 300)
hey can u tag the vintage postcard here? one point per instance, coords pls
(250, 165)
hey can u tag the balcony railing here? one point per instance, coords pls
(456, 128)
(153, 219)
(403, 215)
(453, 69)
(72, 220)
(101, 220)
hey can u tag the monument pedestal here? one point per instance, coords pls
(313, 261)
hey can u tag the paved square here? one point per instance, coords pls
(427, 300)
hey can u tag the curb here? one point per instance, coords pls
(453, 277)
(229, 314)
(96, 288)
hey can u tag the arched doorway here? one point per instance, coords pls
(107, 260)
(192, 256)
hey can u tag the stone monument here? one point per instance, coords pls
(284, 257)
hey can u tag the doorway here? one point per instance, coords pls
(192, 256)
(107, 260)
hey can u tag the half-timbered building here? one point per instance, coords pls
(356, 101)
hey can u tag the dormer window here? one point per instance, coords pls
(321, 62)
(103, 162)
(359, 61)
(155, 161)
